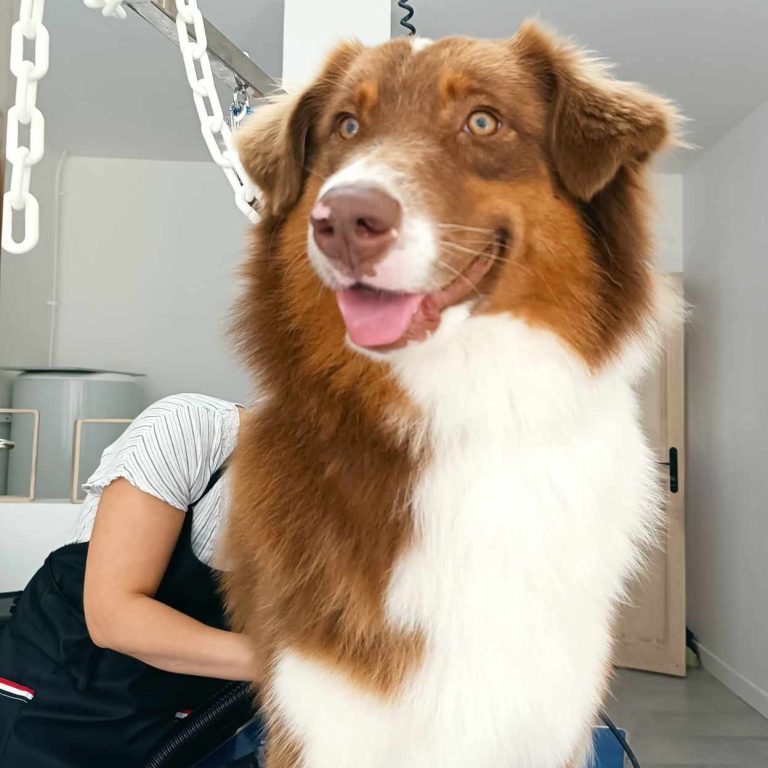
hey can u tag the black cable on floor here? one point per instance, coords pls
(620, 738)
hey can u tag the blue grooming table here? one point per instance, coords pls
(250, 739)
(608, 751)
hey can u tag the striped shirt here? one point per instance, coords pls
(170, 451)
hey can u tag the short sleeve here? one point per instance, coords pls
(169, 451)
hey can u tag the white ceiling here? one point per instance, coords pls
(118, 89)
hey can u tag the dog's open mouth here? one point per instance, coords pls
(383, 320)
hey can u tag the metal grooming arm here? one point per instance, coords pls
(230, 65)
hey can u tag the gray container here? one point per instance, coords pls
(62, 397)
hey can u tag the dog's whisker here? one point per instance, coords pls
(492, 256)
(483, 243)
(458, 274)
(502, 260)
(447, 225)
(551, 290)
(462, 248)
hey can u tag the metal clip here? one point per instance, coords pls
(241, 106)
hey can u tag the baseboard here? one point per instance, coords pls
(745, 689)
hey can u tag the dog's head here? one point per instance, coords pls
(502, 174)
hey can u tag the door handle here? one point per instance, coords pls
(6, 445)
(674, 485)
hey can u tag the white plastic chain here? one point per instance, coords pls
(113, 8)
(25, 112)
(216, 132)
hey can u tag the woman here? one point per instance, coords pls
(123, 630)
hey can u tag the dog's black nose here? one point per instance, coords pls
(355, 226)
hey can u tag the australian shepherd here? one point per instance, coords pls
(449, 298)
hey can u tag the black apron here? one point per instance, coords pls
(64, 702)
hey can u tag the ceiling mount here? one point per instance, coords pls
(230, 65)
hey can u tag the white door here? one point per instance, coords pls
(651, 628)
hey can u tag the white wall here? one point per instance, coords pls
(668, 188)
(312, 30)
(148, 256)
(25, 280)
(726, 277)
(6, 19)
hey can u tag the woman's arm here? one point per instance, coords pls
(132, 542)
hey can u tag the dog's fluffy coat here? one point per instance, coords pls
(428, 543)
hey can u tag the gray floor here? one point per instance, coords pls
(687, 723)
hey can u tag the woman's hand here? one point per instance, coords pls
(132, 542)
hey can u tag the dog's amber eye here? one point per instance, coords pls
(348, 126)
(482, 123)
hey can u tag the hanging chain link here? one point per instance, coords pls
(111, 8)
(25, 112)
(216, 132)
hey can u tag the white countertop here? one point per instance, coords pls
(28, 532)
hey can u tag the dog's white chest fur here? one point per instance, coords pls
(529, 517)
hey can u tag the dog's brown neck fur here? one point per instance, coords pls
(320, 457)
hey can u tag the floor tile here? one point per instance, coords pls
(692, 722)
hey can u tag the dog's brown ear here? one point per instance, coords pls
(276, 144)
(596, 124)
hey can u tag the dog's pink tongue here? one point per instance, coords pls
(377, 319)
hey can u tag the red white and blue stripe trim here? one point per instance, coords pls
(12, 690)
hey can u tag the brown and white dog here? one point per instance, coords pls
(438, 505)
